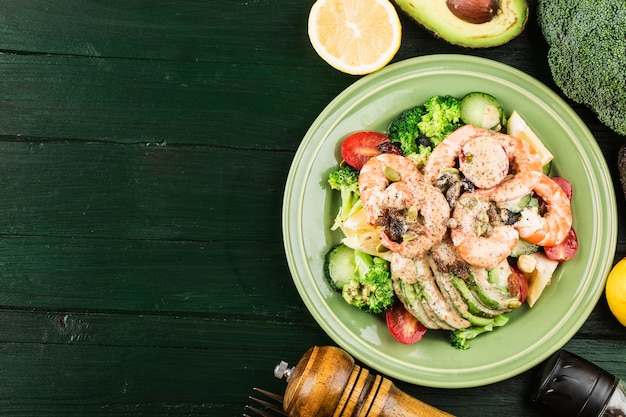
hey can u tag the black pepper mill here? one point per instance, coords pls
(570, 386)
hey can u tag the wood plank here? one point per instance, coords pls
(160, 102)
(222, 279)
(136, 101)
(120, 364)
(95, 380)
(97, 190)
(187, 30)
(161, 330)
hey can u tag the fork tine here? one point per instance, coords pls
(268, 406)
(271, 406)
(273, 396)
(256, 410)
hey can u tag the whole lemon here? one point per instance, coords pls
(616, 291)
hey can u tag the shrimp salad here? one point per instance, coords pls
(467, 218)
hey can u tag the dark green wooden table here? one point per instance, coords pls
(144, 147)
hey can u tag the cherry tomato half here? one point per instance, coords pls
(404, 327)
(521, 281)
(564, 250)
(359, 147)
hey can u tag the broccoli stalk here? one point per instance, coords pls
(371, 288)
(419, 129)
(346, 181)
(460, 338)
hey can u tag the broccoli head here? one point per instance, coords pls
(346, 181)
(587, 54)
(419, 129)
(371, 289)
(404, 130)
(442, 117)
(460, 338)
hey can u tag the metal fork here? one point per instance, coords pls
(267, 406)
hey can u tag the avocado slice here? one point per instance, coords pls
(435, 299)
(480, 24)
(410, 299)
(490, 290)
(475, 306)
(404, 278)
(454, 298)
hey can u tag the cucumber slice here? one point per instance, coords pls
(482, 110)
(340, 266)
(524, 247)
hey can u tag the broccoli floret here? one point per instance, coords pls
(371, 289)
(404, 130)
(460, 338)
(419, 129)
(442, 117)
(587, 54)
(346, 181)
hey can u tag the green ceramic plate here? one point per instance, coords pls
(532, 334)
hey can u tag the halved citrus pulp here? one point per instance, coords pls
(518, 127)
(355, 36)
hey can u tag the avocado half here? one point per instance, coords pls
(469, 23)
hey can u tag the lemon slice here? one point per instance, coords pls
(516, 126)
(362, 236)
(355, 36)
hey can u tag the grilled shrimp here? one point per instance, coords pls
(479, 236)
(445, 154)
(491, 173)
(527, 168)
(551, 228)
(418, 221)
(375, 177)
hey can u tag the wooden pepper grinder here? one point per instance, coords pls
(327, 383)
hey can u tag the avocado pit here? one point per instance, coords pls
(474, 11)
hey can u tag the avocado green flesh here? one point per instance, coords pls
(435, 16)
(441, 300)
(454, 298)
(436, 300)
(476, 307)
(411, 302)
(489, 294)
(524, 247)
